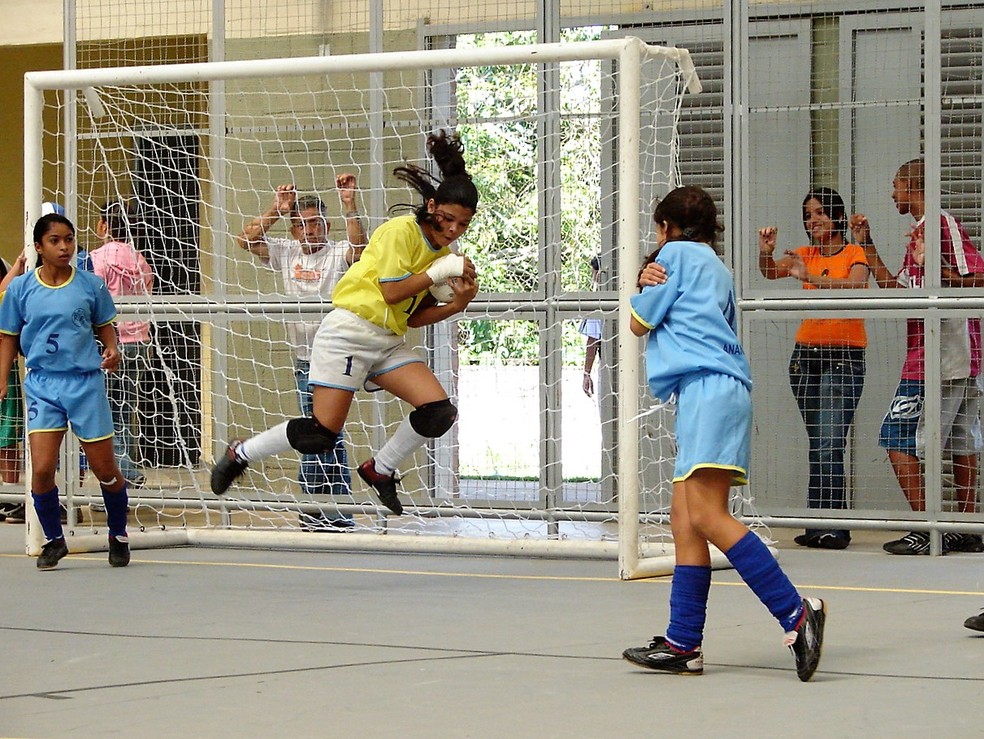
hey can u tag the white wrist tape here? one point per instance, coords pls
(450, 265)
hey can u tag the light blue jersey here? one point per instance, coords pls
(55, 324)
(692, 320)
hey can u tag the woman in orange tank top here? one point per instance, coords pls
(826, 370)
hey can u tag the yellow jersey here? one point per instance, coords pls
(396, 250)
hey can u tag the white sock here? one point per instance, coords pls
(399, 446)
(265, 444)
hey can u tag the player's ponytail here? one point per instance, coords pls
(454, 187)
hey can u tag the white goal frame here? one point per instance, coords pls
(636, 558)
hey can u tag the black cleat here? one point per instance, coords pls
(660, 656)
(228, 469)
(119, 551)
(385, 486)
(52, 553)
(806, 640)
(915, 542)
(975, 623)
(14, 514)
(826, 540)
(972, 543)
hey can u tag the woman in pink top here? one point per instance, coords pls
(125, 272)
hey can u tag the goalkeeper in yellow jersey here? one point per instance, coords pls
(362, 340)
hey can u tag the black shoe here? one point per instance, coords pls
(915, 542)
(323, 524)
(385, 486)
(227, 469)
(136, 482)
(806, 640)
(826, 540)
(660, 656)
(119, 551)
(975, 623)
(963, 543)
(15, 514)
(829, 541)
(51, 554)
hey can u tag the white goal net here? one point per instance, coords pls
(569, 144)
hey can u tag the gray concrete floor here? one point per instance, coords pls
(216, 643)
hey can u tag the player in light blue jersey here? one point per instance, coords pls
(55, 314)
(687, 308)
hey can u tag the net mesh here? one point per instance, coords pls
(532, 454)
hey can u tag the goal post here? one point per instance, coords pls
(200, 148)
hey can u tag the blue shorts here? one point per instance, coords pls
(904, 427)
(55, 399)
(713, 426)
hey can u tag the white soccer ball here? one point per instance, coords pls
(442, 292)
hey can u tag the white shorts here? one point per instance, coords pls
(960, 418)
(349, 351)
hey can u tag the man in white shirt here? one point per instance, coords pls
(310, 264)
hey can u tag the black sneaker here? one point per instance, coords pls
(975, 623)
(660, 656)
(915, 542)
(227, 469)
(15, 514)
(972, 543)
(119, 551)
(51, 554)
(385, 486)
(806, 640)
(826, 540)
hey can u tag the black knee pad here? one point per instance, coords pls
(308, 436)
(433, 419)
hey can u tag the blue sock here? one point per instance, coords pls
(49, 513)
(688, 606)
(115, 510)
(760, 571)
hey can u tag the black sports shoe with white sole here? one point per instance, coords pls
(52, 553)
(975, 623)
(119, 551)
(227, 469)
(806, 640)
(915, 542)
(660, 656)
(384, 485)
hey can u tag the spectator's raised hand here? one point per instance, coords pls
(767, 239)
(794, 265)
(347, 186)
(918, 237)
(860, 229)
(284, 199)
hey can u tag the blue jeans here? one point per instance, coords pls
(320, 474)
(123, 388)
(827, 382)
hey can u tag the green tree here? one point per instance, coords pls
(498, 107)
